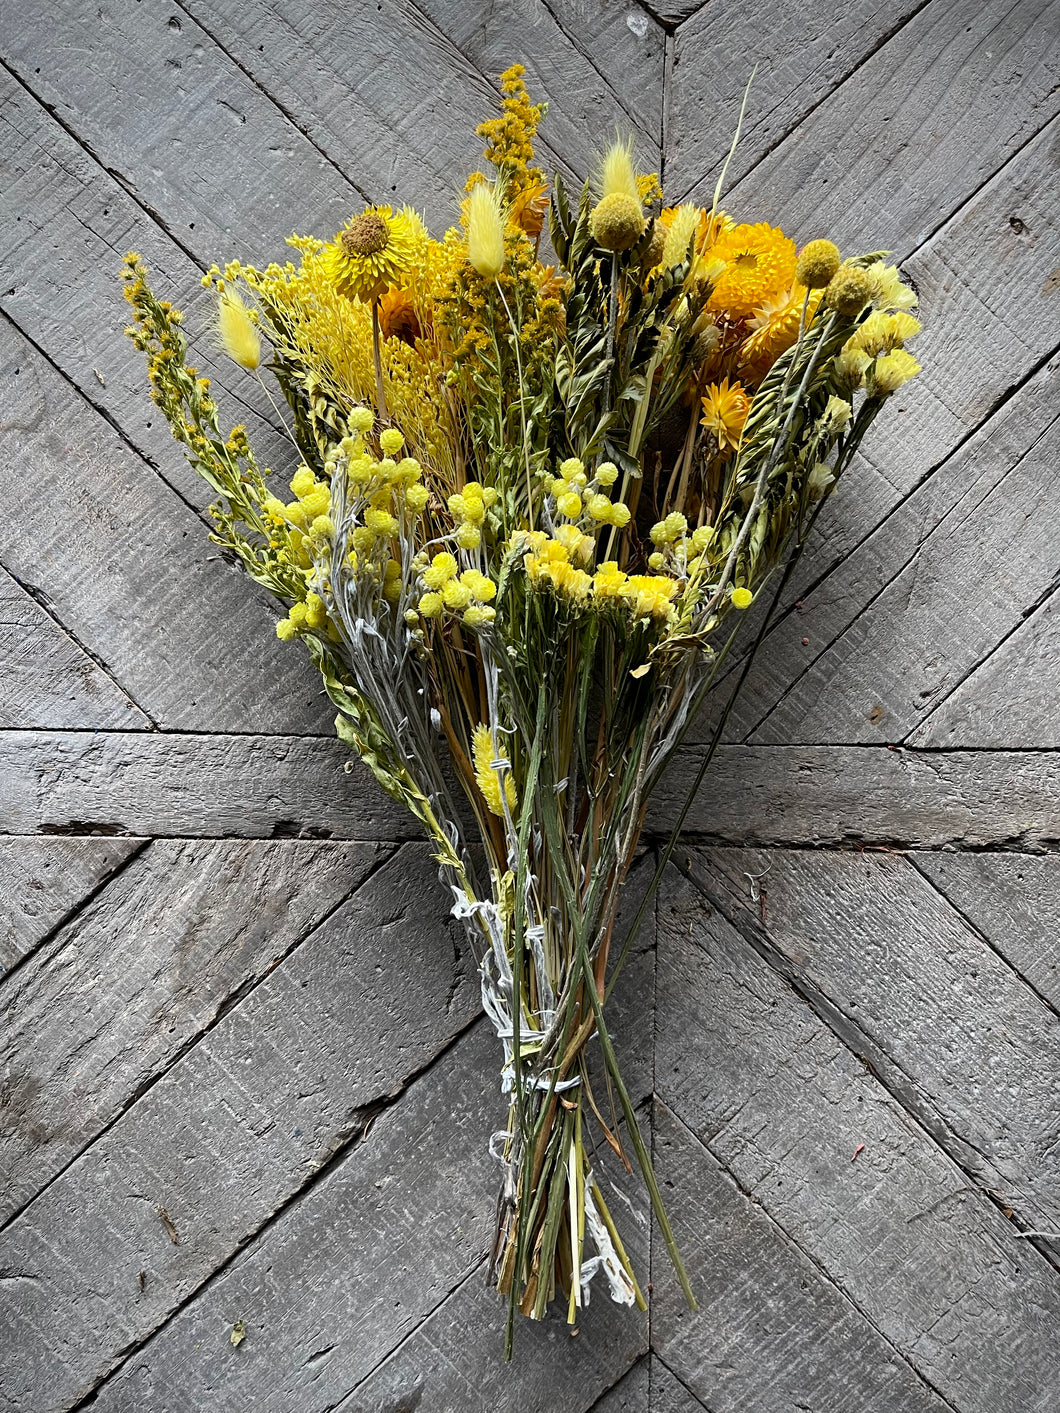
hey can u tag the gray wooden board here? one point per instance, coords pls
(45, 678)
(1014, 902)
(276, 786)
(917, 127)
(649, 1385)
(798, 57)
(139, 974)
(974, 1051)
(43, 880)
(814, 1138)
(65, 223)
(129, 570)
(772, 1331)
(232, 1131)
(982, 537)
(1011, 697)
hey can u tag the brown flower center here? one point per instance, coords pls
(366, 235)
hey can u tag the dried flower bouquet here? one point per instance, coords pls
(532, 504)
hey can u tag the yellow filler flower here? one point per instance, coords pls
(486, 775)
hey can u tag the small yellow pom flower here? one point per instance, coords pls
(286, 630)
(315, 612)
(380, 522)
(849, 291)
(391, 441)
(238, 334)
(617, 222)
(725, 411)
(302, 482)
(361, 420)
(481, 586)
(742, 598)
(607, 473)
(599, 507)
(487, 776)
(469, 537)
(431, 605)
(569, 504)
(817, 263)
(573, 466)
(485, 230)
(416, 498)
(317, 502)
(478, 616)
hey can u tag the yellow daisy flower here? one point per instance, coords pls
(725, 411)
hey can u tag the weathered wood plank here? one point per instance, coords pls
(43, 880)
(1011, 698)
(784, 1104)
(919, 126)
(799, 54)
(989, 557)
(772, 1331)
(65, 223)
(283, 786)
(139, 975)
(630, 1394)
(649, 1387)
(627, 47)
(129, 570)
(46, 680)
(1014, 901)
(973, 1052)
(232, 1132)
(192, 786)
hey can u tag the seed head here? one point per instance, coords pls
(617, 222)
(817, 263)
(848, 291)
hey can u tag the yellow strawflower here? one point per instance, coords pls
(487, 777)
(725, 411)
(373, 251)
(755, 264)
(238, 334)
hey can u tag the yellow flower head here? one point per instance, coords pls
(398, 318)
(742, 598)
(237, 331)
(886, 289)
(758, 263)
(775, 327)
(487, 776)
(485, 230)
(894, 369)
(725, 411)
(683, 226)
(817, 263)
(373, 251)
(617, 221)
(848, 291)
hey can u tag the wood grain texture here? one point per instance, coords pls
(171, 784)
(143, 971)
(1014, 902)
(232, 1131)
(46, 679)
(65, 223)
(771, 1330)
(973, 1052)
(813, 1137)
(1011, 697)
(918, 127)
(799, 56)
(975, 567)
(43, 880)
(128, 569)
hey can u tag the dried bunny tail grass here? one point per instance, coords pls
(236, 330)
(617, 172)
(485, 230)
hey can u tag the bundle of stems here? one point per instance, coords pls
(532, 505)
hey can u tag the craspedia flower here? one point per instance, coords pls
(617, 222)
(485, 230)
(848, 291)
(238, 334)
(755, 264)
(725, 411)
(487, 777)
(742, 598)
(817, 263)
(373, 251)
